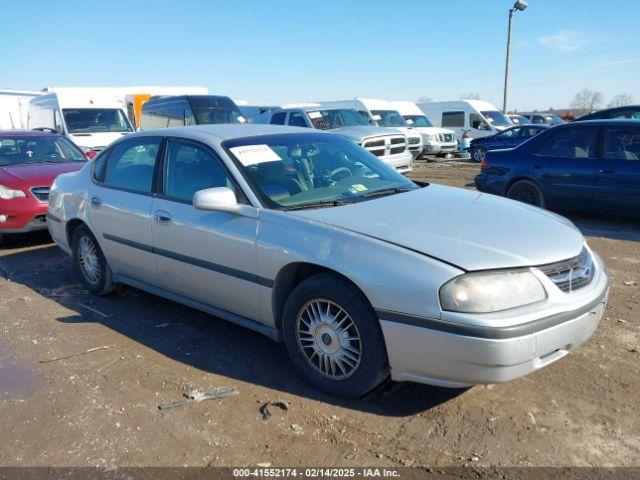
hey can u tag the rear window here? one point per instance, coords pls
(17, 150)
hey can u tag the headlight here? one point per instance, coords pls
(487, 292)
(9, 194)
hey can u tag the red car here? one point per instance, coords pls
(29, 163)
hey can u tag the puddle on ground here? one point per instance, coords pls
(16, 380)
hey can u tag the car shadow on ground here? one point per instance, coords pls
(607, 226)
(192, 337)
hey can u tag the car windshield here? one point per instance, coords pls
(417, 121)
(296, 171)
(388, 118)
(94, 120)
(335, 118)
(497, 119)
(20, 149)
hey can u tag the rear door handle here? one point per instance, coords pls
(162, 216)
(95, 201)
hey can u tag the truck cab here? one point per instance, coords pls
(437, 141)
(390, 146)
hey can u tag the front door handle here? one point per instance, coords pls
(95, 201)
(162, 216)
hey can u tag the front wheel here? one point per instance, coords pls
(526, 191)
(478, 153)
(90, 263)
(333, 336)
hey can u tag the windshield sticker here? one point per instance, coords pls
(313, 115)
(358, 187)
(254, 154)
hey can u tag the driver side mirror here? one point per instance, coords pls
(222, 199)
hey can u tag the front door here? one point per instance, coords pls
(204, 255)
(618, 179)
(564, 163)
(119, 209)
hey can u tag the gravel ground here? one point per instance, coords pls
(101, 408)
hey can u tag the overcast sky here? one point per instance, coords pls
(277, 51)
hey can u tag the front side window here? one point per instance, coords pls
(296, 119)
(190, 168)
(335, 118)
(278, 118)
(20, 149)
(570, 143)
(510, 133)
(94, 120)
(622, 143)
(453, 119)
(417, 121)
(478, 122)
(530, 132)
(131, 164)
(496, 118)
(292, 171)
(389, 118)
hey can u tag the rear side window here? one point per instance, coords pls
(278, 118)
(570, 143)
(296, 119)
(131, 165)
(622, 143)
(453, 119)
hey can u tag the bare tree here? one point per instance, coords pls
(424, 100)
(620, 100)
(470, 96)
(587, 99)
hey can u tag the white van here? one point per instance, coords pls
(14, 107)
(477, 117)
(91, 121)
(437, 141)
(382, 114)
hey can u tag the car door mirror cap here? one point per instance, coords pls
(222, 199)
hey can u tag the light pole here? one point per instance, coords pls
(519, 5)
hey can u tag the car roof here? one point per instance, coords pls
(221, 132)
(24, 133)
(605, 121)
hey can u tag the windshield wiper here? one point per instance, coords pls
(386, 191)
(321, 204)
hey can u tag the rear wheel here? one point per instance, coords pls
(90, 263)
(333, 336)
(477, 153)
(526, 191)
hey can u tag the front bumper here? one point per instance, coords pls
(456, 354)
(403, 163)
(434, 147)
(22, 215)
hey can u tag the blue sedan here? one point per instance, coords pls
(592, 165)
(509, 138)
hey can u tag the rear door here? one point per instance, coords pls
(564, 164)
(203, 255)
(618, 179)
(120, 200)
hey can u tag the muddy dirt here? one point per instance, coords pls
(101, 408)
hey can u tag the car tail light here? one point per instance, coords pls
(91, 154)
(483, 164)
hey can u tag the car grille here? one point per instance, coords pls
(572, 274)
(414, 141)
(388, 145)
(41, 193)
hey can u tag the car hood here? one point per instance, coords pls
(468, 229)
(359, 133)
(93, 140)
(36, 174)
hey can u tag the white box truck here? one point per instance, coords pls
(476, 117)
(381, 114)
(91, 121)
(14, 107)
(437, 141)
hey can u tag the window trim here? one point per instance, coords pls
(109, 152)
(161, 175)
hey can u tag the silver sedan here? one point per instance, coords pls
(311, 240)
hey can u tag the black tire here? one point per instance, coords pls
(477, 154)
(373, 365)
(526, 191)
(102, 283)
